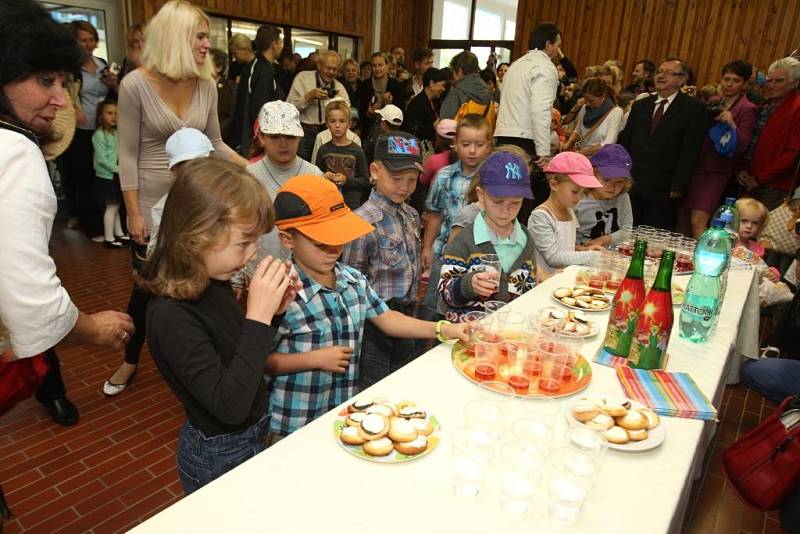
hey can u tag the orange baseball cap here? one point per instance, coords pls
(315, 207)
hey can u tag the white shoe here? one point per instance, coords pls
(110, 389)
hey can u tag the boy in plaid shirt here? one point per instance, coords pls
(316, 362)
(389, 256)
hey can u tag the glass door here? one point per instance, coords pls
(102, 14)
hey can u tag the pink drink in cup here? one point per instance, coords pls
(553, 356)
(487, 356)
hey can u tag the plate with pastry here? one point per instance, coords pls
(628, 425)
(583, 298)
(386, 431)
(570, 322)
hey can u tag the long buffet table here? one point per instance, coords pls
(308, 483)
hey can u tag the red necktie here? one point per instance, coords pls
(658, 115)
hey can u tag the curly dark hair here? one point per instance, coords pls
(32, 42)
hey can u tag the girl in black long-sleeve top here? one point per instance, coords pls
(210, 352)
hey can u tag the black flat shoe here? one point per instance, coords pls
(124, 238)
(114, 244)
(62, 411)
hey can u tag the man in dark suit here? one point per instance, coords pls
(664, 135)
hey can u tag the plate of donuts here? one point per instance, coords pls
(628, 425)
(386, 431)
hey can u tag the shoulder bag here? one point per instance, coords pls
(780, 229)
(763, 466)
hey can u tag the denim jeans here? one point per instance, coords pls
(774, 378)
(202, 459)
(382, 355)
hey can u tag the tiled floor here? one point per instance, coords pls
(117, 466)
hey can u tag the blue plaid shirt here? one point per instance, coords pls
(320, 317)
(389, 255)
(447, 196)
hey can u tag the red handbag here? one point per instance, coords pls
(19, 379)
(763, 466)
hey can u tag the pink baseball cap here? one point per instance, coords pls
(576, 166)
(447, 128)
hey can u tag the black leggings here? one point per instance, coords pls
(137, 309)
(79, 167)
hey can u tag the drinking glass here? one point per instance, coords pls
(487, 355)
(486, 415)
(588, 440)
(510, 322)
(475, 318)
(533, 430)
(490, 307)
(517, 352)
(553, 355)
(546, 320)
(472, 451)
(542, 408)
(571, 476)
(520, 468)
(491, 264)
(573, 342)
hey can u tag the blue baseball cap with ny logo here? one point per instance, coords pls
(505, 175)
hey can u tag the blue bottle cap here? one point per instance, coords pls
(730, 201)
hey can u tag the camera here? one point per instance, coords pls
(330, 91)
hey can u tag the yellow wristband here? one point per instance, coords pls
(438, 330)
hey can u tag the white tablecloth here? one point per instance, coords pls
(307, 483)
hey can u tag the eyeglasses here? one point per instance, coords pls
(669, 73)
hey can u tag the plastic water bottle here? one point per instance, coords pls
(704, 292)
(728, 213)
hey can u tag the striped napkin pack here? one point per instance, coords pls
(671, 394)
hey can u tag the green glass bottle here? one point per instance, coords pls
(625, 306)
(649, 347)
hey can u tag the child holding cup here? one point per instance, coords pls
(495, 239)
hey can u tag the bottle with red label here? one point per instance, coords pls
(625, 306)
(649, 347)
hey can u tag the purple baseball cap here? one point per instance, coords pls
(576, 166)
(613, 161)
(505, 175)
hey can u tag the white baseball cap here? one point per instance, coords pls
(186, 144)
(279, 118)
(391, 114)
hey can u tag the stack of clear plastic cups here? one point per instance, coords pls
(519, 470)
(473, 449)
(571, 475)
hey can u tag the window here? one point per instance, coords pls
(482, 26)
(95, 17)
(297, 39)
(218, 33)
(305, 42)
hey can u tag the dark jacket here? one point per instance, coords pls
(226, 106)
(470, 87)
(364, 98)
(257, 86)
(664, 160)
(351, 93)
(419, 117)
